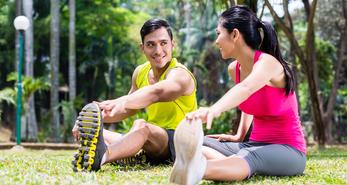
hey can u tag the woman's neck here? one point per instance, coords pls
(246, 58)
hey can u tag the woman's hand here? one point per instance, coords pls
(221, 137)
(206, 114)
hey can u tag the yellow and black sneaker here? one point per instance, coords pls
(140, 158)
(92, 145)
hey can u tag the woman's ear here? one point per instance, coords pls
(236, 34)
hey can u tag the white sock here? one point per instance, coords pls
(103, 159)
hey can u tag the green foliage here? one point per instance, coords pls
(220, 125)
(68, 112)
(8, 95)
(128, 123)
(29, 86)
(45, 127)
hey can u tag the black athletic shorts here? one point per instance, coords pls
(171, 159)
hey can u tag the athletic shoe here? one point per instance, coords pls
(190, 163)
(140, 158)
(92, 145)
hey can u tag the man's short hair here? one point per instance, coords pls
(152, 25)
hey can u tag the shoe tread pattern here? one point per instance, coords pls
(88, 126)
(138, 159)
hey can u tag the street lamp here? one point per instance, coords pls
(21, 23)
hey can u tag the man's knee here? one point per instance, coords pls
(140, 124)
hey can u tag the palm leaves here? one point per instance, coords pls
(29, 86)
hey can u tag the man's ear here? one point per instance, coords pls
(142, 49)
(173, 44)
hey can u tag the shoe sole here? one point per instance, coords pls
(186, 139)
(89, 121)
(138, 159)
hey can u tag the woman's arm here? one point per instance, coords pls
(262, 73)
(245, 123)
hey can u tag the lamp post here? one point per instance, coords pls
(21, 23)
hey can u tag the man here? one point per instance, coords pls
(162, 84)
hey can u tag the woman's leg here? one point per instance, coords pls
(227, 169)
(274, 159)
(260, 158)
(211, 153)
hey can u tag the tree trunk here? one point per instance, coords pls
(72, 56)
(289, 24)
(337, 124)
(54, 56)
(72, 51)
(253, 4)
(188, 18)
(337, 68)
(29, 71)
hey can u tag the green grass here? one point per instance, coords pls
(324, 166)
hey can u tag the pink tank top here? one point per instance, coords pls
(276, 118)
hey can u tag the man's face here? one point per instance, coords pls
(158, 46)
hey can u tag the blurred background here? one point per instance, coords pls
(77, 51)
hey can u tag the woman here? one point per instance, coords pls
(264, 91)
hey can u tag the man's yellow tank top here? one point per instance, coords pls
(167, 114)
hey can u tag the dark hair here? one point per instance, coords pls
(152, 25)
(241, 17)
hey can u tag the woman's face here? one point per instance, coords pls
(225, 41)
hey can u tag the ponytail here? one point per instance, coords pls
(270, 45)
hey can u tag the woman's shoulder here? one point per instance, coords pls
(232, 70)
(267, 57)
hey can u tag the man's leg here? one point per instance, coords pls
(111, 137)
(143, 135)
(93, 151)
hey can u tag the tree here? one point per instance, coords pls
(54, 57)
(29, 71)
(308, 61)
(72, 55)
(327, 116)
(72, 51)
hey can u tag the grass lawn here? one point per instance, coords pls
(324, 166)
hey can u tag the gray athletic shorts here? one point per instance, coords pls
(263, 158)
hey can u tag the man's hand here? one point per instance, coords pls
(112, 107)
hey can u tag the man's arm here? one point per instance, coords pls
(177, 82)
(128, 112)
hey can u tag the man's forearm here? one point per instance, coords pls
(120, 116)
